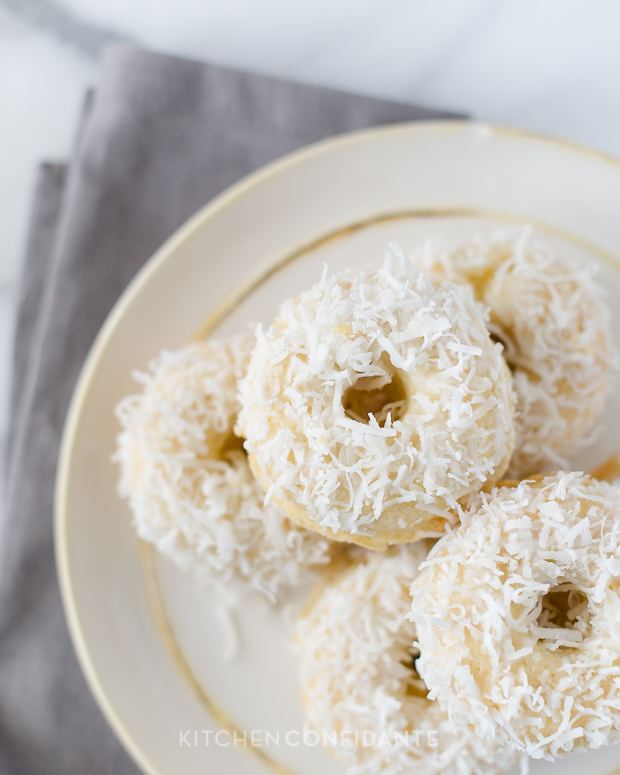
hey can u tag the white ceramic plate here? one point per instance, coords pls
(150, 640)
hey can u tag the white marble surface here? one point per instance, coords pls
(549, 65)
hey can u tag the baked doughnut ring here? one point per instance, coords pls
(187, 480)
(518, 615)
(549, 316)
(374, 402)
(360, 687)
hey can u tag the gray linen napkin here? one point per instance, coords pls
(160, 138)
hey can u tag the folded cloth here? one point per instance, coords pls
(160, 137)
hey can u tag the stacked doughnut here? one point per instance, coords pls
(397, 430)
(359, 675)
(548, 316)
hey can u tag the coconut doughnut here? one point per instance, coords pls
(549, 316)
(360, 687)
(187, 480)
(518, 615)
(374, 402)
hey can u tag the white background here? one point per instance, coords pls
(549, 65)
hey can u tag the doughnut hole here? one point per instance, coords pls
(378, 396)
(416, 686)
(498, 339)
(564, 607)
(499, 336)
(231, 446)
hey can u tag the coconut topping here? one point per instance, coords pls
(377, 395)
(517, 615)
(187, 480)
(548, 314)
(360, 683)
